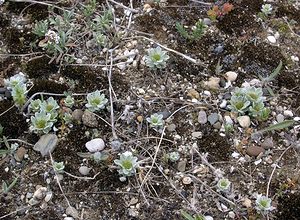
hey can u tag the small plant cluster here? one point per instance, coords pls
(17, 85)
(127, 165)
(250, 101)
(265, 11)
(61, 32)
(197, 32)
(156, 58)
(218, 12)
(46, 112)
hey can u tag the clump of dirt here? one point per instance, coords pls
(288, 10)
(289, 206)
(34, 11)
(218, 147)
(19, 41)
(39, 67)
(43, 85)
(13, 121)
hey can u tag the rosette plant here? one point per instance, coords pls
(263, 204)
(239, 104)
(41, 122)
(96, 101)
(50, 106)
(156, 58)
(35, 105)
(223, 185)
(127, 164)
(155, 120)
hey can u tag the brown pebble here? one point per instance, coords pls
(254, 151)
(267, 143)
(20, 154)
(139, 118)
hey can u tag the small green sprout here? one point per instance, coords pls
(156, 58)
(197, 32)
(173, 156)
(50, 106)
(266, 9)
(58, 167)
(223, 185)
(69, 101)
(35, 105)
(187, 216)
(15, 80)
(254, 95)
(156, 120)
(18, 93)
(68, 119)
(96, 101)
(127, 165)
(6, 188)
(239, 104)
(263, 204)
(41, 122)
(40, 28)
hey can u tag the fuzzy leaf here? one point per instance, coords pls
(278, 126)
(275, 72)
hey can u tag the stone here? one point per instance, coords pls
(197, 134)
(217, 125)
(47, 143)
(207, 21)
(19, 156)
(202, 117)
(171, 127)
(84, 170)
(254, 151)
(267, 143)
(165, 114)
(288, 113)
(213, 118)
(95, 145)
(181, 165)
(89, 119)
(272, 39)
(40, 193)
(213, 83)
(280, 118)
(77, 115)
(187, 180)
(72, 212)
(247, 203)
(139, 118)
(231, 76)
(223, 104)
(193, 94)
(244, 121)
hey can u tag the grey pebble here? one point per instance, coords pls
(202, 117)
(213, 118)
(89, 119)
(47, 143)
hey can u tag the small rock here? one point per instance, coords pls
(84, 170)
(231, 76)
(89, 119)
(213, 118)
(207, 21)
(95, 145)
(295, 58)
(272, 39)
(77, 115)
(192, 93)
(48, 196)
(213, 83)
(254, 151)
(202, 117)
(288, 113)
(187, 180)
(231, 215)
(247, 203)
(165, 114)
(139, 118)
(171, 127)
(72, 212)
(40, 193)
(68, 218)
(207, 93)
(46, 144)
(280, 118)
(228, 119)
(19, 156)
(223, 104)
(197, 134)
(217, 125)
(267, 143)
(244, 121)
(181, 165)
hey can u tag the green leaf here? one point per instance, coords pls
(12, 184)
(278, 126)
(275, 72)
(186, 215)
(4, 187)
(270, 91)
(182, 31)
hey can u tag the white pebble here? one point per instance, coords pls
(84, 170)
(288, 113)
(295, 58)
(95, 145)
(244, 121)
(272, 39)
(231, 76)
(207, 93)
(223, 104)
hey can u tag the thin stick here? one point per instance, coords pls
(111, 99)
(82, 178)
(21, 141)
(7, 110)
(57, 180)
(210, 189)
(203, 3)
(273, 171)
(154, 158)
(123, 6)
(11, 213)
(197, 62)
